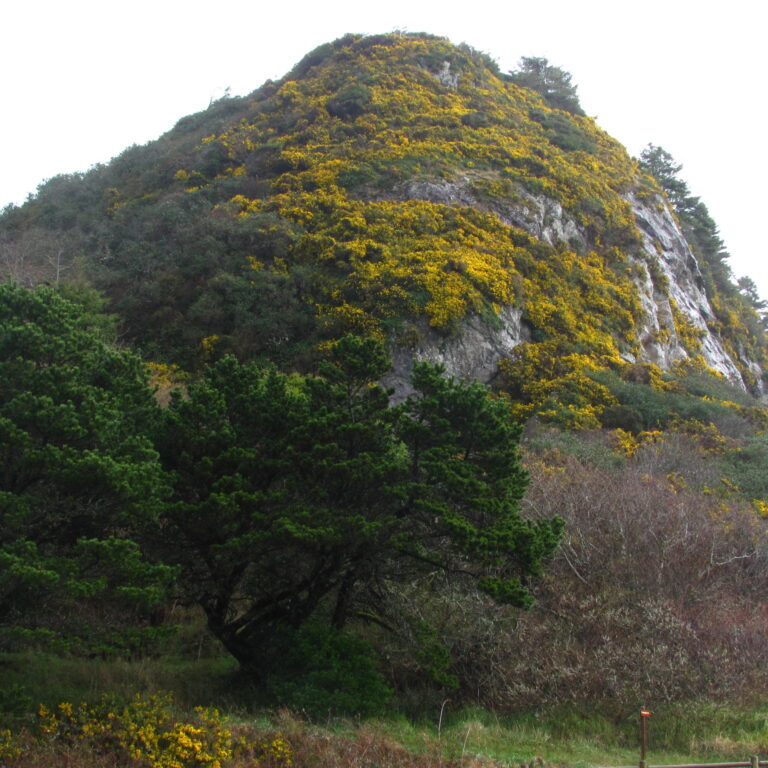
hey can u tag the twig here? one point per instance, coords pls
(464, 745)
(440, 720)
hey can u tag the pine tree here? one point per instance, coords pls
(553, 83)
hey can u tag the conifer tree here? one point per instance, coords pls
(309, 498)
(553, 83)
(78, 472)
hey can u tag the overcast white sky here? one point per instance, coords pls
(83, 79)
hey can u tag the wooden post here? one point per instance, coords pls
(644, 715)
(755, 760)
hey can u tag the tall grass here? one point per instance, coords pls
(48, 680)
(580, 736)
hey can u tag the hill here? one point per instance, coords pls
(392, 198)
(398, 186)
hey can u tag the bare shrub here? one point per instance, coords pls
(36, 256)
(657, 593)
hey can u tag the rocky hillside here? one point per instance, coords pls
(402, 187)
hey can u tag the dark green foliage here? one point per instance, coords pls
(432, 656)
(357, 175)
(622, 417)
(312, 59)
(298, 497)
(68, 201)
(350, 102)
(181, 277)
(320, 670)
(746, 466)
(92, 305)
(77, 471)
(14, 702)
(699, 227)
(476, 119)
(643, 408)
(563, 132)
(748, 288)
(662, 166)
(553, 83)
(296, 503)
(466, 473)
(217, 112)
(709, 386)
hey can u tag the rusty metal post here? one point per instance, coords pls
(644, 715)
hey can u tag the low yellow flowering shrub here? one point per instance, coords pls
(335, 171)
(10, 746)
(548, 380)
(146, 731)
(628, 444)
(707, 436)
(276, 752)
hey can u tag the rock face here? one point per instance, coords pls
(667, 278)
(665, 245)
(472, 354)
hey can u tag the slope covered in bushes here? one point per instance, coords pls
(260, 259)
(268, 224)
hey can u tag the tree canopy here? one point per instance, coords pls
(552, 82)
(299, 498)
(270, 500)
(78, 469)
(700, 228)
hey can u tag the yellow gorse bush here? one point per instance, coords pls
(628, 444)
(391, 257)
(10, 746)
(276, 752)
(146, 730)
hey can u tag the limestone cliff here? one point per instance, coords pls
(668, 282)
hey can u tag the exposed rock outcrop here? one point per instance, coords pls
(667, 277)
(472, 354)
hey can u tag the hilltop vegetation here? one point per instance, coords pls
(271, 223)
(200, 461)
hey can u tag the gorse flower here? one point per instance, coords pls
(147, 731)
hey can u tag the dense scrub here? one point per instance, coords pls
(268, 224)
(656, 594)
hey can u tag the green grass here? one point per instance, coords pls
(49, 680)
(580, 736)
